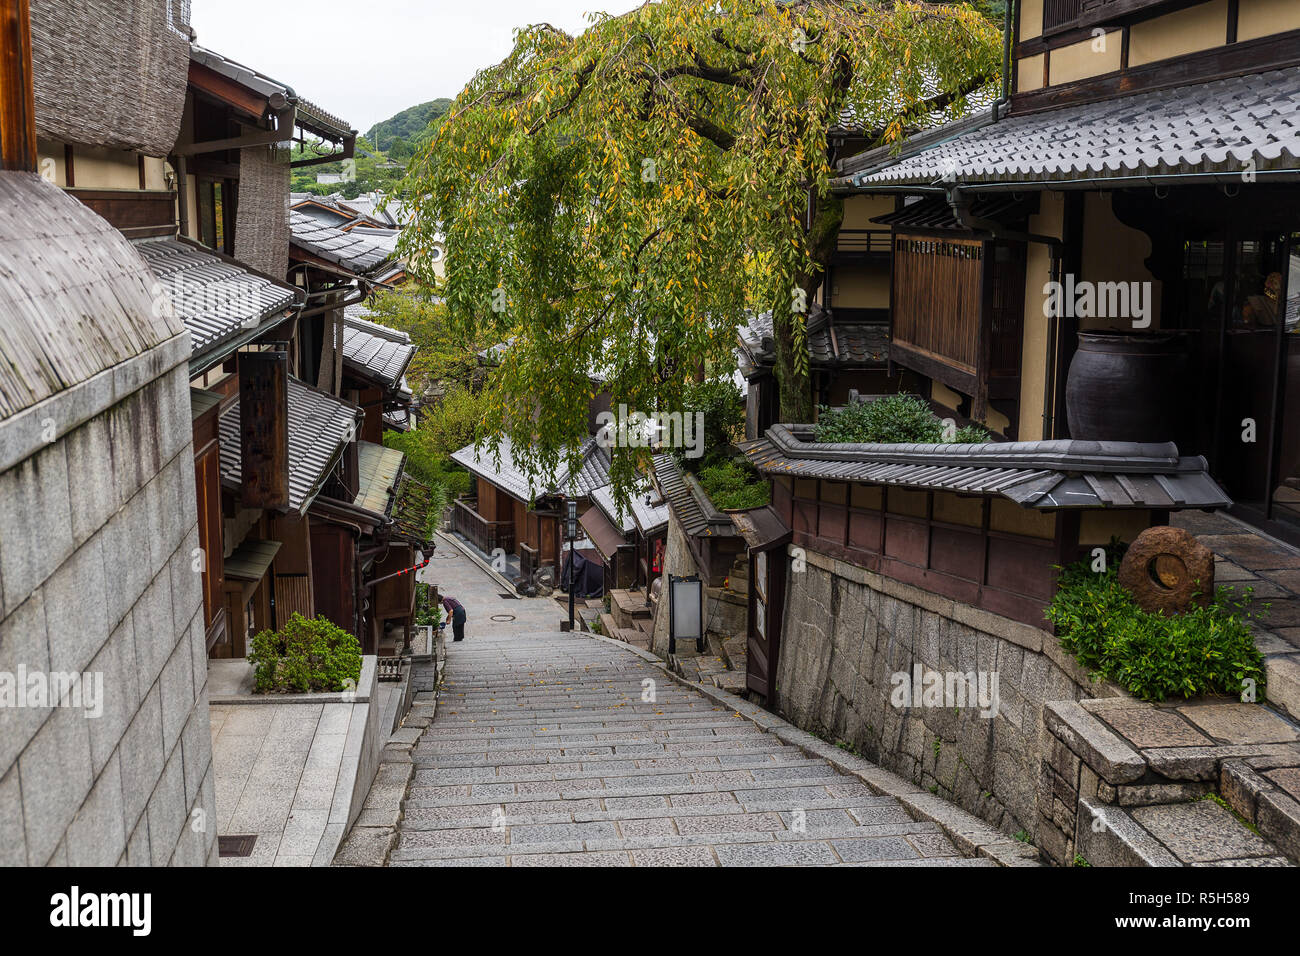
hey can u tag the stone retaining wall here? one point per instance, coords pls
(847, 632)
(98, 532)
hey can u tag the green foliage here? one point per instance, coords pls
(1205, 650)
(724, 419)
(894, 419)
(733, 484)
(410, 124)
(454, 422)
(616, 200)
(1080, 861)
(366, 161)
(427, 613)
(304, 656)
(444, 356)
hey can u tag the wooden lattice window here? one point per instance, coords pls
(1057, 13)
(957, 314)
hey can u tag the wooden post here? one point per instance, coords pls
(264, 429)
(17, 97)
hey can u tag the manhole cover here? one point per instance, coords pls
(235, 845)
(503, 618)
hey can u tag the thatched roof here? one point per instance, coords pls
(111, 72)
(75, 297)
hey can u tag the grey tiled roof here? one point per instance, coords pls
(1214, 127)
(216, 297)
(640, 516)
(831, 341)
(592, 472)
(320, 425)
(375, 350)
(834, 341)
(359, 254)
(693, 509)
(934, 212)
(74, 300)
(852, 120)
(310, 116)
(1036, 474)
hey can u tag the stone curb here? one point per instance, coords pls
(1092, 741)
(373, 837)
(971, 835)
(1263, 804)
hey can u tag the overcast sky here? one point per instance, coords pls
(365, 60)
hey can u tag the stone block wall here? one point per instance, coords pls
(847, 632)
(98, 532)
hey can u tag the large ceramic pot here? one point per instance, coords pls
(1126, 386)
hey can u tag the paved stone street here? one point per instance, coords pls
(544, 754)
(489, 608)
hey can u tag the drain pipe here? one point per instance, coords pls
(1008, 25)
(961, 210)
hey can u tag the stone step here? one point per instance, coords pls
(634, 636)
(658, 791)
(427, 776)
(463, 743)
(738, 578)
(607, 624)
(733, 681)
(627, 606)
(547, 843)
(517, 758)
(587, 753)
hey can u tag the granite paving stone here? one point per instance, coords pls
(503, 776)
(549, 731)
(1151, 727)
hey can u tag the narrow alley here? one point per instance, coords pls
(566, 749)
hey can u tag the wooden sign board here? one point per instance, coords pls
(264, 429)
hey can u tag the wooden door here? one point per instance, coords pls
(766, 605)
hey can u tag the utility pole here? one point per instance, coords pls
(571, 526)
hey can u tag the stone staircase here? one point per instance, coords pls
(563, 750)
(629, 619)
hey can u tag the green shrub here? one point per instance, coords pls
(1205, 650)
(305, 656)
(427, 613)
(724, 420)
(457, 482)
(732, 484)
(894, 419)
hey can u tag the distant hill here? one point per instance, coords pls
(408, 124)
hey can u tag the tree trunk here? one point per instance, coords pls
(793, 378)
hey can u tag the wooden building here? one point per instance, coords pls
(630, 540)
(279, 435)
(1137, 196)
(511, 513)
